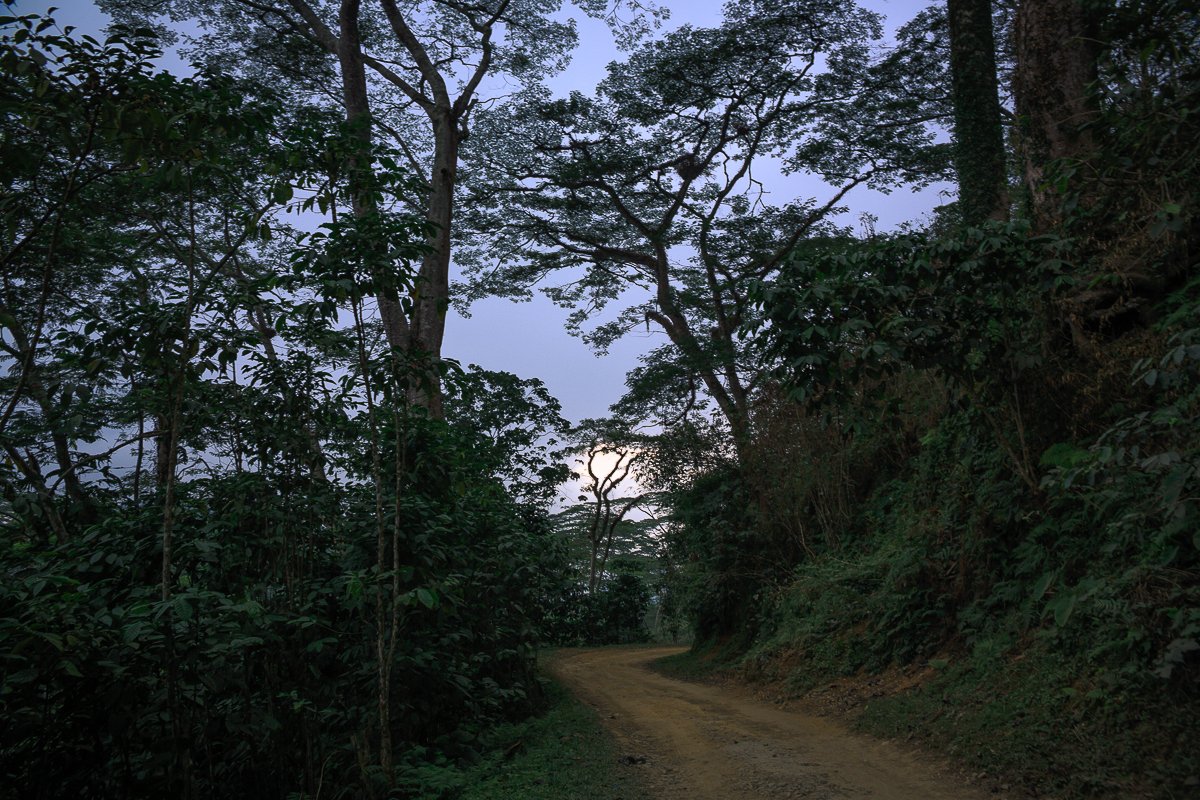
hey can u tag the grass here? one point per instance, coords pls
(564, 754)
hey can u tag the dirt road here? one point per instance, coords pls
(704, 742)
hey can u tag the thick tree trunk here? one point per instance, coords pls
(978, 135)
(358, 116)
(1056, 64)
(433, 287)
(421, 331)
(731, 399)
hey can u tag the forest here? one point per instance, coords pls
(260, 537)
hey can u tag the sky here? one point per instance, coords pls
(529, 338)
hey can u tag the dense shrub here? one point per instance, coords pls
(257, 677)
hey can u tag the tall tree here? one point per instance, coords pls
(649, 187)
(408, 71)
(979, 156)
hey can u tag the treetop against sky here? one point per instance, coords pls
(529, 338)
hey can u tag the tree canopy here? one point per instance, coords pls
(649, 190)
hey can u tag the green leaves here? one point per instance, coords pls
(512, 423)
(1175, 655)
(1062, 606)
(156, 299)
(964, 305)
(1043, 585)
(426, 598)
(1064, 455)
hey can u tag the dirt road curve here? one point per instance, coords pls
(712, 743)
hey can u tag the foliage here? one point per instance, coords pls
(975, 475)
(273, 642)
(969, 306)
(237, 561)
(617, 566)
(613, 614)
(405, 74)
(519, 430)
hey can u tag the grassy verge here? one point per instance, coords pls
(564, 754)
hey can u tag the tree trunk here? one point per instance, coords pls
(1056, 64)
(425, 333)
(978, 135)
(731, 399)
(162, 448)
(433, 286)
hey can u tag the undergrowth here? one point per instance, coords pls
(1046, 640)
(1043, 724)
(562, 754)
